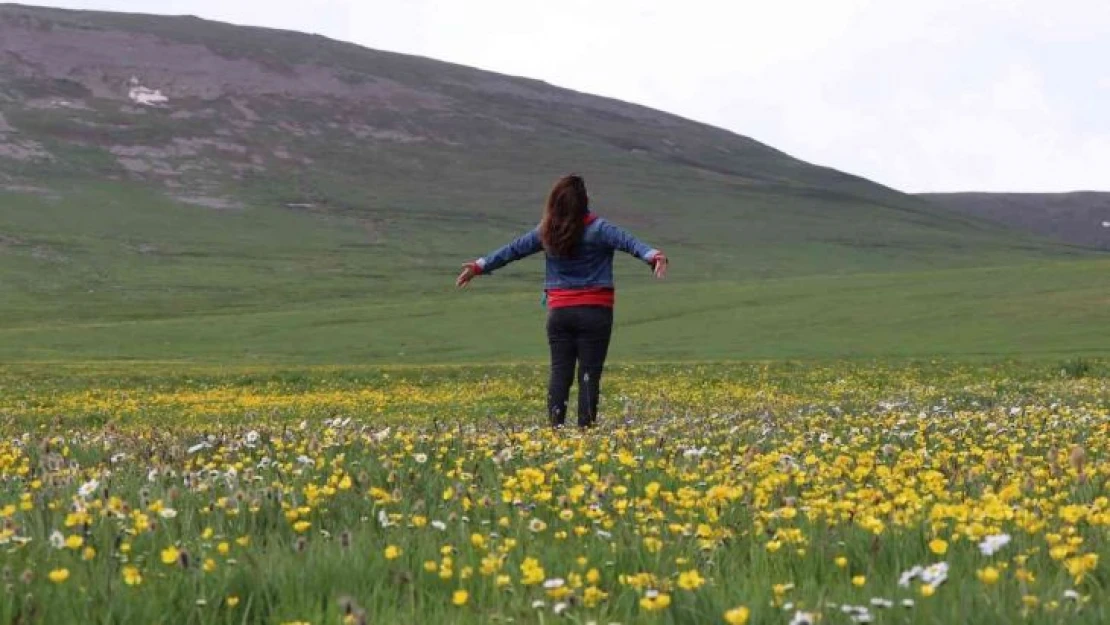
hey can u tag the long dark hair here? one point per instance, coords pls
(564, 216)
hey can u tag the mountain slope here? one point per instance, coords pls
(154, 168)
(1080, 218)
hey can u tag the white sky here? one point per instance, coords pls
(921, 95)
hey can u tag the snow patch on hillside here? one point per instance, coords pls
(145, 95)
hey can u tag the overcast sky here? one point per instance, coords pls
(921, 95)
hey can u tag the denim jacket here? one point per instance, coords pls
(592, 265)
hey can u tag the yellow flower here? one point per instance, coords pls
(223, 548)
(460, 597)
(58, 575)
(131, 576)
(209, 565)
(927, 590)
(841, 562)
(88, 554)
(690, 580)
(301, 526)
(653, 601)
(169, 555)
(73, 541)
(738, 615)
(988, 575)
(938, 546)
(232, 601)
(392, 552)
(859, 580)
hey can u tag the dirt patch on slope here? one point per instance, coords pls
(217, 203)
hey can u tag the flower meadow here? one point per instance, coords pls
(744, 493)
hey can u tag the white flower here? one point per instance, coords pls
(199, 446)
(57, 541)
(381, 436)
(420, 458)
(383, 519)
(167, 513)
(879, 602)
(439, 525)
(694, 452)
(306, 461)
(536, 525)
(554, 582)
(802, 618)
(538, 604)
(152, 475)
(935, 574)
(909, 576)
(252, 438)
(117, 457)
(1071, 594)
(907, 603)
(991, 544)
(559, 608)
(604, 534)
(88, 488)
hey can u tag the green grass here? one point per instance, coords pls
(1042, 309)
(119, 272)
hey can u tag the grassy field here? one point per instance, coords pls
(237, 384)
(1044, 309)
(760, 493)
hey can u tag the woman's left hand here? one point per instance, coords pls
(469, 271)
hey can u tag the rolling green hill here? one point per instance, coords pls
(175, 188)
(1078, 218)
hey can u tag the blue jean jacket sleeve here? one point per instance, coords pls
(523, 246)
(622, 240)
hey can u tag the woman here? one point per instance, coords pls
(578, 289)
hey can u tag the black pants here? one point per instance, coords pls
(577, 335)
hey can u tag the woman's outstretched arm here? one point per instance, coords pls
(523, 246)
(621, 239)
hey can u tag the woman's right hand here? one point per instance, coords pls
(659, 265)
